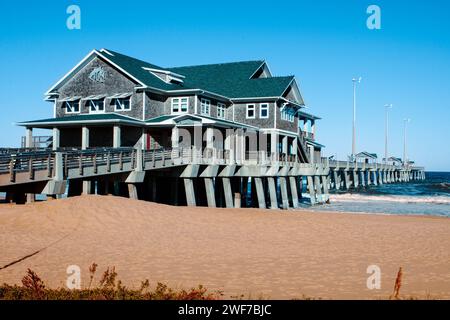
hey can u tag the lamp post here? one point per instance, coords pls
(386, 132)
(355, 81)
(405, 126)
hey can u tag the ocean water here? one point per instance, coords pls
(429, 197)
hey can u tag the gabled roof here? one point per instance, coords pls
(230, 80)
(365, 154)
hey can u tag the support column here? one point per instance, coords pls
(284, 145)
(337, 180)
(84, 138)
(326, 192)
(355, 179)
(284, 193)
(272, 193)
(347, 180)
(229, 147)
(260, 193)
(318, 188)
(294, 193)
(363, 178)
(210, 194)
(29, 138)
(132, 191)
(312, 192)
(190, 193)
(228, 193)
(274, 145)
(56, 138)
(117, 137)
(380, 177)
(87, 185)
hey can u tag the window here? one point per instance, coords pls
(72, 106)
(122, 104)
(264, 110)
(97, 105)
(180, 105)
(205, 106)
(250, 111)
(288, 114)
(221, 110)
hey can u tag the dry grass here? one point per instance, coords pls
(109, 288)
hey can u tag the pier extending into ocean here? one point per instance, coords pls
(187, 176)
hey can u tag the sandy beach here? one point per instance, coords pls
(257, 253)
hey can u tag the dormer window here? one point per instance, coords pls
(180, 105)
(96, 106)
(205, 106)
(72, 106)
(122, 104)
(221, 110)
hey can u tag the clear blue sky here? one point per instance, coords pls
(323, 43)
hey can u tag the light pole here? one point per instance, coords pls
(355, 81)
(405, 126)
(386, 132)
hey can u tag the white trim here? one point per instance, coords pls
(222, 106)
(72, 112)
(262, 64)
(144, 105)
(196, 104)
(203, 104)
(285, 132)
(275, 114)
(179, 108)
(254, 111)
(125, 72)
(70, 72)
(115, 104)
(260, 110)
(106, 51)
(177, 75)
(54, 108)
(91, 104)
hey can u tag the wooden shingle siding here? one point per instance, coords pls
(115, 82)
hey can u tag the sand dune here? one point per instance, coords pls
(274, 254)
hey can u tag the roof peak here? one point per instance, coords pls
(219, 64)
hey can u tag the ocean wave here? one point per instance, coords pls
(389, 198)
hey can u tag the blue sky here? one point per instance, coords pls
(323, 43)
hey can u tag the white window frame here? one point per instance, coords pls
(265, 106)
(178, 102)
(67, 105)
(91, 104)
(205, 106)
(221, 108)
(247, 110)
(288, 114)
(117, 103)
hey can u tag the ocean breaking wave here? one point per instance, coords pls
(390, 198)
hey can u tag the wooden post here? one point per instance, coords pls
(108, 162)
(30, 168)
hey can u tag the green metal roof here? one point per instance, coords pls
(160, 118)
(232, 80)
(135, 68)
(98, 117)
